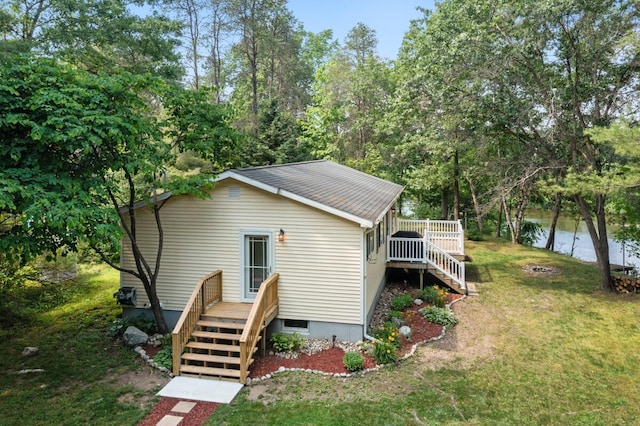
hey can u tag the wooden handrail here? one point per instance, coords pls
(207, 291)
(265, 303)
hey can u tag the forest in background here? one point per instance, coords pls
(488, 108)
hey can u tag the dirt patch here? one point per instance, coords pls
(467, 344)
(145, 380)
(540, 269)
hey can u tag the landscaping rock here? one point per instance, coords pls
(29, 351)
(406, 331)
(397, 321)
(133, 336)
(418, 302)
(155, 340)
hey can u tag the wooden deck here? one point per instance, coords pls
(229, 310)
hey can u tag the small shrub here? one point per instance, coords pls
(353, 361)
(434, 296)
(164, 358)
(386, 343)
(388, 333)
(395, 314)
(442, 316)
(408, 316)
(283, 342)
(400, 302)
(384, 352)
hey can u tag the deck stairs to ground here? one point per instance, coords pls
(446, 279)
(214, 348)
(434, 246)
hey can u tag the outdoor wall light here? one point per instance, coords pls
(281, 235)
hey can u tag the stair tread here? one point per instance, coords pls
(220, 324)
(213, 346)
(211, 358)
(215, 335)
(209, 371)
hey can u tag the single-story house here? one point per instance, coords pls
(323, 230)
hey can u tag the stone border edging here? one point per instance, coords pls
(378, 367)
(150, 362)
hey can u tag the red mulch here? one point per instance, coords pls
(330, 360)
(151, 350)
(196, 417)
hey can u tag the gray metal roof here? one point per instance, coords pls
(328, 186)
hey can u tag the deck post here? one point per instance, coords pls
(421, 278)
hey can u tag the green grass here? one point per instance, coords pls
(564, 353)
(79, 358)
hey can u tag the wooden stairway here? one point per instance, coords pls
(217, 339)
(214, 349)
(446, 279)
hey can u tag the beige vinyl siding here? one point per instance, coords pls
(319, 263)
(376, 267)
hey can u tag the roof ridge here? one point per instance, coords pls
(272, 166)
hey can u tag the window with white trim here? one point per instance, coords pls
(371, 241)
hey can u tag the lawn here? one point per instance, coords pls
(530, 349)
(86, 373)
(551, 349)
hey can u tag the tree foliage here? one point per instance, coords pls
(80, 149)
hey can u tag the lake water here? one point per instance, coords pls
(582, 246)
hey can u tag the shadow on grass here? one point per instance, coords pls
(477, 273)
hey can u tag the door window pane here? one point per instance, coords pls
(256, 262)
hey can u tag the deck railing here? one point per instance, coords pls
(207, 291)
(264, 307)
(400, 249)
(440, 240)
(446, 234)
(445, 263)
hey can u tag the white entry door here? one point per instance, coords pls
(257, 261)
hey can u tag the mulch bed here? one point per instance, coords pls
(330, 360)
(196, 417)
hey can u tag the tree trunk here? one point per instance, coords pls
(143, 271)
(557, 207)
(444, 204)
(456, 187)
(154, 302)
(476, 206)
(499, 224)
(507, 217)
(519, 218)
(598, 237)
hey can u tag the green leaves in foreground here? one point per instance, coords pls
(437, 315)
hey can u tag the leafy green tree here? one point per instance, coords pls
(622, 179)
(97, 35)
(80, 149)
(350, 94)
(540, 75)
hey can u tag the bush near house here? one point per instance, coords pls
(353, 361)
(283, 342)
(401, 302)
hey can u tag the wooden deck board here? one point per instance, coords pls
(235, 311)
